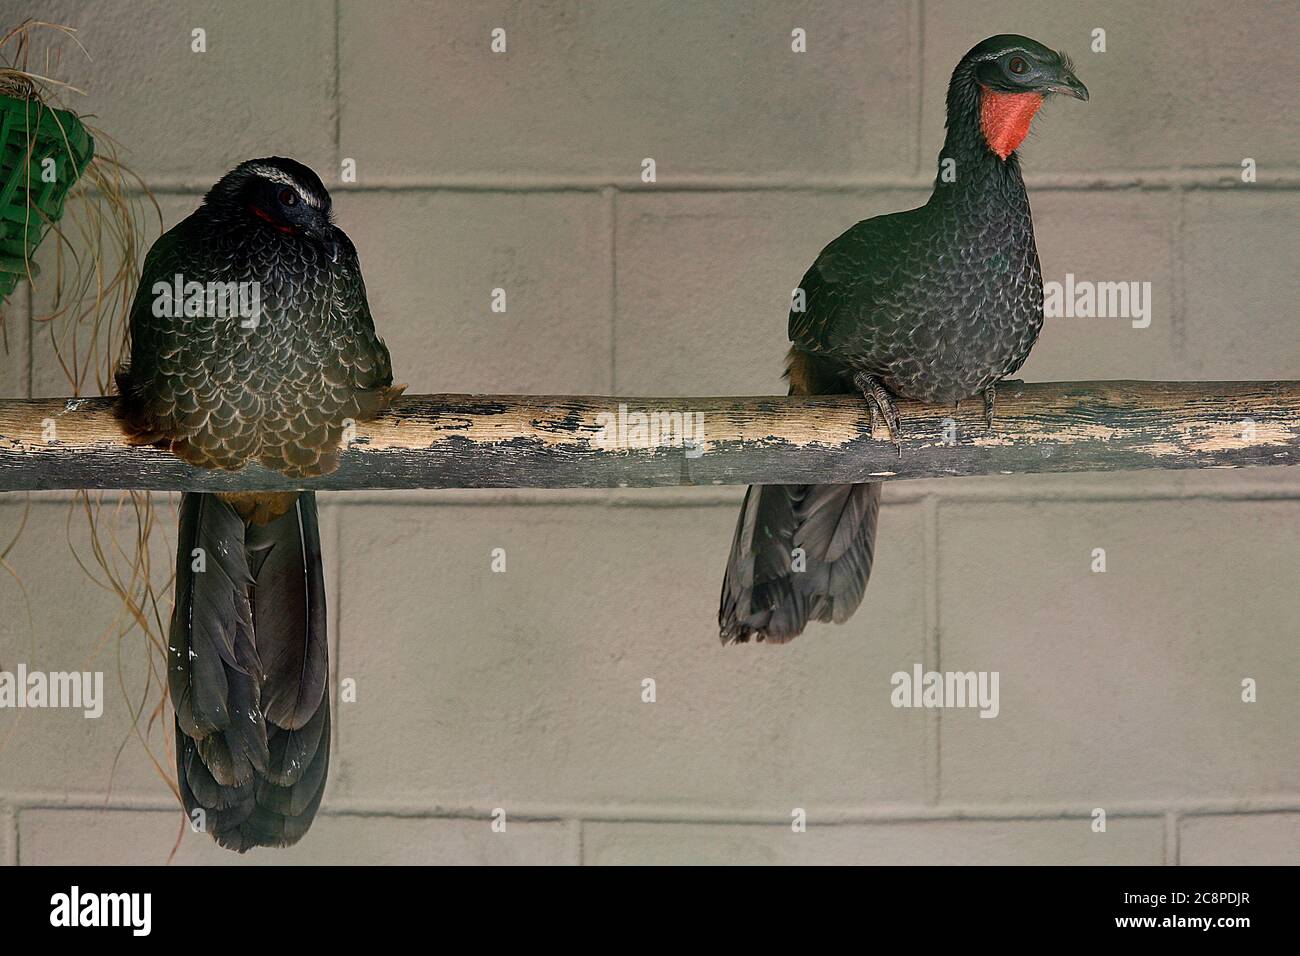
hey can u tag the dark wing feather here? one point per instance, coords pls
(857, 306)
(153, 402)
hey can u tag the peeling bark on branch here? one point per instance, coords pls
(526, 441)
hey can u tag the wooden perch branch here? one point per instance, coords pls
(524, 441)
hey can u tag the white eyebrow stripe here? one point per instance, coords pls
(284, 179)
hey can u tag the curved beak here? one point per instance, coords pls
(332, 245)
(324, 234)
(1069, 85)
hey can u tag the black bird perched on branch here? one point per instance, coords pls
(934, 304)
(222, 386)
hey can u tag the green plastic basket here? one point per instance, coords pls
(30, 133)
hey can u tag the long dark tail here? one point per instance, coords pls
(249, 670)
(801, 553)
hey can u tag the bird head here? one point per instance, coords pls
(279, 194)
(1001, 83)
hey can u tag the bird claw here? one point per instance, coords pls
(882, 408)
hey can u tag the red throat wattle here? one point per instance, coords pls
(1005, 118)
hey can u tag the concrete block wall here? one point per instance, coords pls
(523, 691)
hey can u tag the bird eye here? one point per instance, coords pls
(1018, 65)
(288, 197)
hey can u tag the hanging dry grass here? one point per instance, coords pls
(85, 296)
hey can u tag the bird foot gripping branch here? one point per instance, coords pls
(883, 410)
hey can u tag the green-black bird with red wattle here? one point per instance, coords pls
(935, 304)
(248, 665)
